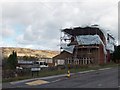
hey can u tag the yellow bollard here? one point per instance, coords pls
(68, 74)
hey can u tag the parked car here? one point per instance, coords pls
(41, 64)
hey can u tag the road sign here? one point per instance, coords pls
(35, 69)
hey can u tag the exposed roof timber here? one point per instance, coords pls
(97, 46)
(82, 31)
(110, 35)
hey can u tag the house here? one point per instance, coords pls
(25, 64)
(85, 45)
(29, 64)
(49, 61)
(62, 58)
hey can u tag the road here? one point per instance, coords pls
(103, 78)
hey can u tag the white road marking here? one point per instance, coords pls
(104, 68)
(87, 71)
(37, 82)
(92, 70)
(56, 80)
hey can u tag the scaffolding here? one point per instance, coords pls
(69, 35)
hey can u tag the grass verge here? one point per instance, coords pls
(58, 72)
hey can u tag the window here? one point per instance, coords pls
(41, 63)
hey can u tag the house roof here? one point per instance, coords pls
(63, 55)
(83, 31)
(69, 48)
(88, 39)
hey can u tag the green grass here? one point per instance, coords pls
(41, 74)
(57, 72)
(109, 65)
(15, 79)
(86, 68)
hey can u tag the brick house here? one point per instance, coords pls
(85, 45)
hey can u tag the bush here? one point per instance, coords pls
(8, 73)
(59, 67)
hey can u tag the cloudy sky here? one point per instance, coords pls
(36, 24)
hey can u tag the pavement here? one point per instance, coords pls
(102, 78)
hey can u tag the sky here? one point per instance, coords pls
(36, 24)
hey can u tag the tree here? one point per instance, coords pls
(4, 63)
(12, 61)
(116, 54)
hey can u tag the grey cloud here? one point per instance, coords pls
(46, 19)
(7, 32)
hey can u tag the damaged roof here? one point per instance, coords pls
(83, 31)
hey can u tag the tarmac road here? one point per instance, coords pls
(103, 78)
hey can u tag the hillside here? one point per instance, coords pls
(6, 51)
